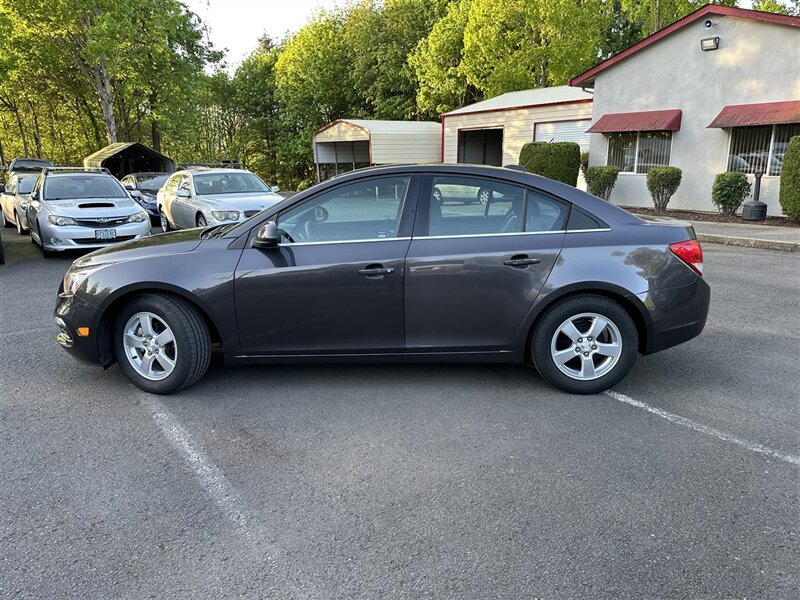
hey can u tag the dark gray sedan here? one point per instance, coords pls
(372, 266)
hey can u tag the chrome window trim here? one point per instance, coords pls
(483, 235)
(589, 230)
(386, 239)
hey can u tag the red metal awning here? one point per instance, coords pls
(768, 113)
(651, 120)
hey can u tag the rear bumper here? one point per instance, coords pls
(72, 312)
(676, 314)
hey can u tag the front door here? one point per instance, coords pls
(335, 282)
(474, 270)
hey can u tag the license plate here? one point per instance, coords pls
(105, 234)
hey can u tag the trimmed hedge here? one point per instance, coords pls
(790, 180)
(662, 183)
(555, 160)
(601, 180)
(584, 162)
(729, 191)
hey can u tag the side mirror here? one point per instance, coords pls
(275, 189)
(35, 195)
(135, 194)
(267, 236)
(129, 187)
(182, 193)
(2, 188)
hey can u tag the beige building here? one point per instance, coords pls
(718, 90)
(493, 132)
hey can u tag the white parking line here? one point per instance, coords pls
(720, 435)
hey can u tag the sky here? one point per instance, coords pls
(236, 25)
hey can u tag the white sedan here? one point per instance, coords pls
(203, 197)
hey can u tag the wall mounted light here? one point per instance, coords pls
(708, 44)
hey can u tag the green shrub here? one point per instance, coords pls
(790, 180)
(729, 191)
(601, 180)
(557, 160)
(662, 183)
(584, 162)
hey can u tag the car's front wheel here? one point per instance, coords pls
(585, 344)
(161, 343)
(201, 221)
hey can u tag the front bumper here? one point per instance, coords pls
(677, 314)
(73, 312)
(75, 237)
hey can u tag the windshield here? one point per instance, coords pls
(30, 165)
(152, 183)
(210, 184)
(83, 186)
(25, 185)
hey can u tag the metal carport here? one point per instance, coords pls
(123, 158)
(348, 144)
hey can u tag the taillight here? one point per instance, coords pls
(689, 252)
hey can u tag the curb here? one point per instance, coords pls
(748, 242)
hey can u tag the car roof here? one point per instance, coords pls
(207, 171)
(78, 172)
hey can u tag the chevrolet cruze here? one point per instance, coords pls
(373, 266)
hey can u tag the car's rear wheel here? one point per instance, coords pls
(161, 343)
(20, 229)
(484, 195)
(3, 221)
(585, 344)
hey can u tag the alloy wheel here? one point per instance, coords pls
(586, 346)
(150, 346)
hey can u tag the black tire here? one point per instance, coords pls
(166, 226)
(200, 221)
(557, 314)
(3, 221)
(2, 253)
(192, 339)
(20, 229)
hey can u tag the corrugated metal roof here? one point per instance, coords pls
(766, 113)
(96, 159)
(526, 98)
(649, 120)
(379, 127)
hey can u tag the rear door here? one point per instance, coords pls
(473, 271)
(335, 282)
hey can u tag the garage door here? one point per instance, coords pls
(564, 131)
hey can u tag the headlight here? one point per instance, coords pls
(225, 215)
(61, 221)
(137, 217)
(76, 276)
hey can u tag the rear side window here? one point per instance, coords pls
(544, 213)
(579, 220)
(473, 206)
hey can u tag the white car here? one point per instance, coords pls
(203, 197)
(14, 200)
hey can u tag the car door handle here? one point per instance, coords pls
(375, 271)
(521, 260)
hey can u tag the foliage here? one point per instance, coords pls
(790, 180)
(601, 180)
(729, 191)
(584, 162)
(662, 183)
(557, 160)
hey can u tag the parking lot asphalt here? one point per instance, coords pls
(408, 481)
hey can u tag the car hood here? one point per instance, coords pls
(242, 202)
(93, 207)
(175, 242)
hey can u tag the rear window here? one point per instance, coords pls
(30, 165)
(82, 186)
(151, 183)
(25, 185)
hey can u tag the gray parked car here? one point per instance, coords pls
(370, 266)
(14, 198)
(82, 208)
(201, 197)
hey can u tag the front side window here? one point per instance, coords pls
(638, 152)
(365, 210)
(760, 148)
(69, 187)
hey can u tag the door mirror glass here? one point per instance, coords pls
(267, 236)
(135, 193)
(182, 193)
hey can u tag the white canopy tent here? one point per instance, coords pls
(348, 144)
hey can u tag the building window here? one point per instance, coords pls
(760, 148)
(638, 152)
